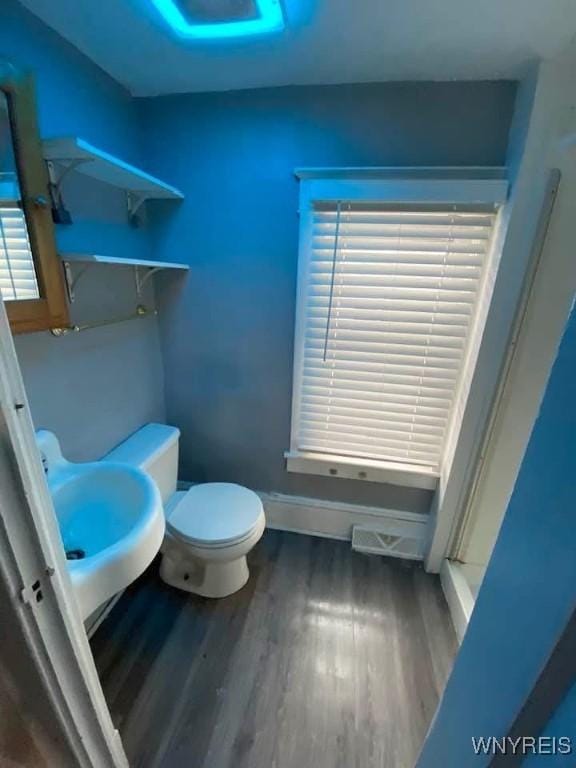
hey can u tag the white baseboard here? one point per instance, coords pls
(334, 519)
(458, 596)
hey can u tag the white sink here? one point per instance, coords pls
(110, 518)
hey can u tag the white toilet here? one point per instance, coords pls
(210, 528)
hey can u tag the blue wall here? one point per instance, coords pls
(228, 336)
(95, 388)
(529, 591)
(75, 97)
(228, 329)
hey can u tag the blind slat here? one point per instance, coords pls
(17, 271)
(414, 329)
(365, 437)
(368, 374)
(335, 346)
(421, 255)
(361, 448)
(396, 293)
(323, 268)
(362, 357)
(384, 426)
(376, 383)
(394, 404)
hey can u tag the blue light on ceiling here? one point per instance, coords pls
(270, 19)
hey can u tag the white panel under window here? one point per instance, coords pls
(387, 296)
(17, 272)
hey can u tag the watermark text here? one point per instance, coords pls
(522, 745)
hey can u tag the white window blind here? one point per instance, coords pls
(17, 272)
(386, 302)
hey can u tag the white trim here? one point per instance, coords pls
(483, 303)
(458, 480)
(458, 596)
(425, 191)
(535, 347)
(416, 185)
(334, 519)
(304, 237)
(31, 551)
(404, 172)
(406, 475)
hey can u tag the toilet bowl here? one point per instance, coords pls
(209, 531)
(210, 528)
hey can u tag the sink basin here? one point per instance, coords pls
(111, 522)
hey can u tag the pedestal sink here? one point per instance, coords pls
(111, 521)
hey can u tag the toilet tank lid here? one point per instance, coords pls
(144, 445)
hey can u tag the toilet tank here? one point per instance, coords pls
(154, 449)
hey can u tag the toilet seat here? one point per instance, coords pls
(215, 515)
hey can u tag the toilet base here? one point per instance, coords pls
(208, 579)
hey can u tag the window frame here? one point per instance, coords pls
(50, 310)
(421, 186)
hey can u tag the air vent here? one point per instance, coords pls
(406, 544)
(218, 11)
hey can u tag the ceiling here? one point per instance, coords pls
(326, 41)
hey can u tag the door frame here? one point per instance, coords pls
(33, 568)
(548, 342)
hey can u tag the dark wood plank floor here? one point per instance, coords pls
(327, 658)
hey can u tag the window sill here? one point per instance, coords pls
(406, 475)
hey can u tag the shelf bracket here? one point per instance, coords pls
(134, 202)
(71, 281)
(57, 177)
(141, 280)
(57, 173)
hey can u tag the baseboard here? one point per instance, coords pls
(334, 519)
(458, 596)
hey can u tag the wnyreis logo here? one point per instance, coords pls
(523, 745)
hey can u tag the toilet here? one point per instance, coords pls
(210, 528)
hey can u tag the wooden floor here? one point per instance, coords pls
(326, 659)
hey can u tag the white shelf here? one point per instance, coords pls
(92, 258)
(72, 152)
(89, 259)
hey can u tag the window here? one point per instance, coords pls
(389, 278)
(17, 272)
(31, 278)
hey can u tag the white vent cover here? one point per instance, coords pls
(408, 544)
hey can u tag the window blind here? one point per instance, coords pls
(17, 272)
(385, 312)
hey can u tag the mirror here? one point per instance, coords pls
(17, 270)
(31, 275)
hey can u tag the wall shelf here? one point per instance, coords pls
(90, 259)
(72, 153)
(107, 168)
